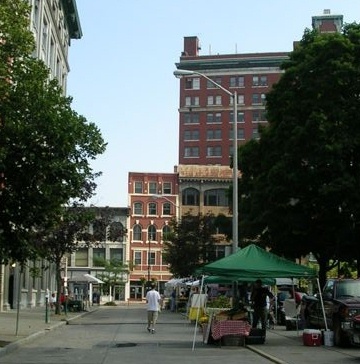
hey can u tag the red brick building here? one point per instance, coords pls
(153, 202)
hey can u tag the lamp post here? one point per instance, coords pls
(235, 233)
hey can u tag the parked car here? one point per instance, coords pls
(341, 298)
(355, 331)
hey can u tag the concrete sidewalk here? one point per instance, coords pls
(19, 327)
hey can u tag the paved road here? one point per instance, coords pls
(119, 335)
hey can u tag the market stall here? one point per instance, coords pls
(252, 263)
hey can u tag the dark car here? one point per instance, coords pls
(341, 303)
(355, 331)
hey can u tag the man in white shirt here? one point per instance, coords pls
(153, 304)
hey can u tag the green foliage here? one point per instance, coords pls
(45, 146)
(114, 273)
(219, 302)
(300, 182)
(110, 303)
(190, 244)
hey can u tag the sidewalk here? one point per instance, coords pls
(16, 328)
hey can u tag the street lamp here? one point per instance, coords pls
(235, 234)
(150, 237)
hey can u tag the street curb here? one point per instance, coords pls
(265, 355)
(16, 344)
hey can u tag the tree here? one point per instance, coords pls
(113, 274)
(63, 237)
(190, 243)
(77, 227)
(45, 146)
(300, 182)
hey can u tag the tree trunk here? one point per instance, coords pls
(323, 268)
(59, 286)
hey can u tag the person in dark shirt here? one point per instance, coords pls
(259, 304)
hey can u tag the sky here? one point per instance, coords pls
(121, 70)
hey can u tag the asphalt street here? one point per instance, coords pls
(119, 335)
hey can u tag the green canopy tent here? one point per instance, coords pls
(255, 262)
(232, 279)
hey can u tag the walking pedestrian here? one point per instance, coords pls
(153, 303)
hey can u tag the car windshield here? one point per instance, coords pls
(348, 289)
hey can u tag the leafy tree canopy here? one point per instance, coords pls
(45, 146)
(300, 182)
(190, 244)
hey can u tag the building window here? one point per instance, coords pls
(167, 188)
(152, 233)
(255, 133)
(191, 118)
(117, 254)
(240, 117)
(190, 197)
(258, 115)
(117, 231)
(152, 188)
(213, 151)
(192, 83)
(263, 81)
(240, 98)
(98, 257)
(259, 81)
(81, 257)
(138, 187)
(237, 81)
(213, 134)
(191, 135)
(258, 99)
(137, 258)
(212, 118)
(240, 134)
(152, 208)
(166, 232)
(192, 101)
(214, 100)
(151, 258)
(138, 208)
(166, 208)
(191, 152)
(137, 232)
(210, 84)
(216, 197)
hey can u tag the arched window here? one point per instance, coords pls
(166, 209)
(216, 197)
(190, 197)
(116, 231)
(166, 230)
(151, 233)
(152, 208)
(138, 208)
(137, 232)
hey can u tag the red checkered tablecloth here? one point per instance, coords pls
(229, 327)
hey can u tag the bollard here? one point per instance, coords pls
(47, 310)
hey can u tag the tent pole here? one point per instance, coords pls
(322, 304)
(198, 313)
